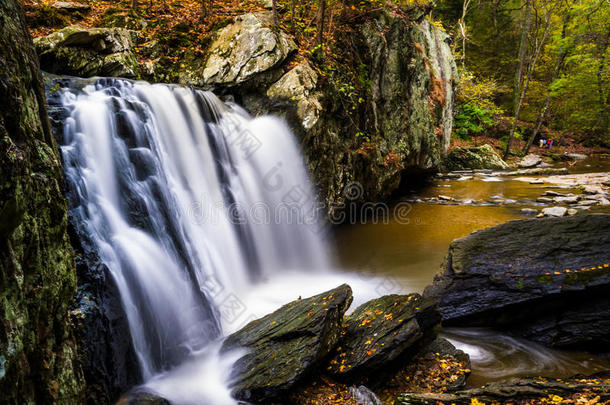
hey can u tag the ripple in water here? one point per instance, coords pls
(495, 356)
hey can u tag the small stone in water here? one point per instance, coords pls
(554, 211)
(537, 181)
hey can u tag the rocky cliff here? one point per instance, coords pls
(399, 125)
(38, 356)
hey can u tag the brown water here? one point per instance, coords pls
(412, 249)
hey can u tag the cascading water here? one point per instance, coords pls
(189, 202)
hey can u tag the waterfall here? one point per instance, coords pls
(189, 201)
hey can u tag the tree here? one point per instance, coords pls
(522, 84)
(321, 17)
(563, 52)
(276, 20)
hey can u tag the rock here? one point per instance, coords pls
(545, 200)
(582, 207)
(577, 156)
(519, 390)
(554, 211)
(543, 279)
(382, 332)
(298, 85)
(283, 347)
(603, 202)
(567, 199)
(444, 198)
(247, 48)
(553, 193)
(406, 117)
(528, 211)
(83, 52)
(442, 347)
(482, 157)
(572, 211)
(537, 181)
(140, 396)
(39, 363)
(364, 396)
(531, 160)
(537, 171)
(69, 6)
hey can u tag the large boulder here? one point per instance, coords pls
(400, 125)
(381, 332)
(480, 157)
(544, 279)
(38, 353)
(298, 85)
(578, 389)
(249, 47)
(87, 52)
(531, 160)
(286, 345)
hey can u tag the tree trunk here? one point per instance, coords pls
(558, 67)
(276, 20)
(321, 16)
(519, 76)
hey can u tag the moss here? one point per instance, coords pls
(39, 364)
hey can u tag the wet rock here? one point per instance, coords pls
(298, 86)
(364, 396)
(572, 211)
(381, 332)
(247, 48)
(545, 200)
(519, 390)
(482, 157)
(528, 211)
(285, 346)
(442, 347)
(554, 211)
(84, 52)
(543, 279)
(538, 171)
(444, 198)
(577, 156)
(553, 193)
(141, 396)
(537, 181)
(531, 160)
(567, 199)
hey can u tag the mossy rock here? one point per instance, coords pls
(382, 331)
(481, 157)
(545, 279)
(287, 345)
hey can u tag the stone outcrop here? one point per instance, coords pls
(543, 279)
(403, 125)
(38, 353)
(529, 161)
(481, 157)
(89, 52)
(381, 332)
(298, 86)
(245, 49)
(286, 345)
(594, 389)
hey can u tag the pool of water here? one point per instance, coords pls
(410, 251)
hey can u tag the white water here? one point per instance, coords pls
(191, 204)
